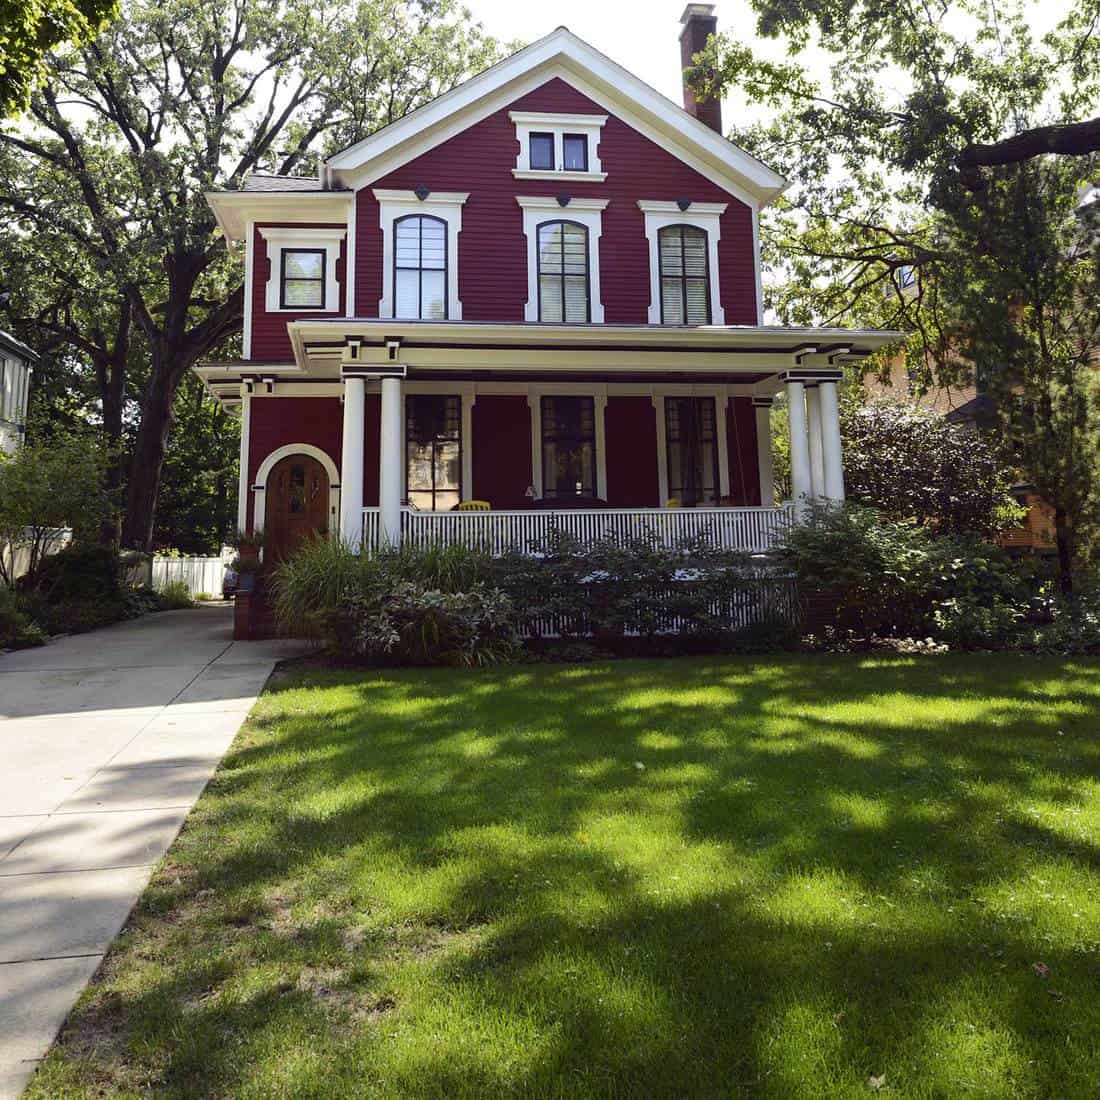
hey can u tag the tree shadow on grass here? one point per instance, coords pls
(647, 879)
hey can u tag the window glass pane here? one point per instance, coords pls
(434, 304)
(672, 303)
(576, 298)
(420, 268)
(433, 450)
(550, 248)
(698, 302)
(575, 152)
(568, 446)
(692, 450)
(407, 302)
(303, 265)
(303, 295)
(695, 252)
(550, 298)
(542, 152)
(672, 254)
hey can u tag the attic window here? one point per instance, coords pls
(558, 146)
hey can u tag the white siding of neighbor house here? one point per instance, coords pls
(14, 390)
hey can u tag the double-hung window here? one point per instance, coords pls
(420, 268)
(563, 272)
(433, 442)
(692, 443)
(302, 279)
(685, 280)
(568, 447)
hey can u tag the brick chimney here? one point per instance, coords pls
(699, 24)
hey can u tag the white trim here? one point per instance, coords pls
(558, 125)
(764, 459)
(243, 480)
(756, 266)
(280, 238)
(232, 208)
(536, 391)
(658, 398)
(563, 176)
(703, 215)
(349, 262)
(587, 212)
(444, 205)
(286, 451)
(561, 53)
(249, 265)
(721, 395)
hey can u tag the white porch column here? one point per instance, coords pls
(817, 454)
(801, 487)
(244, 483)
(351, 461)
(830, 438)
(389, 463)
(763, 407)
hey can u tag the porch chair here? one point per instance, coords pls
(473, 506)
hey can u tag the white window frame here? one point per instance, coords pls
(721, 395)
(280, 238)
(598, 393)
(701, 215)
(444, 205)
(587, 212)
(528, 122)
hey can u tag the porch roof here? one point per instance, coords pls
(753, 356)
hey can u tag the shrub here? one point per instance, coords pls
(79, 573)
(175, 596)
(16, 629)
(885, 578)
(421, 626)
(142, 601)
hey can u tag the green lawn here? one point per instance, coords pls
(790, 877)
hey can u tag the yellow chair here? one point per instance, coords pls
(473, 506)
(673, 503)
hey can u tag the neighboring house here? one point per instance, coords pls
(540, 291)
(16, 360)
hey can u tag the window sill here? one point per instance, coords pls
(570, 177)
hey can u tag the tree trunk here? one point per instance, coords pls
(150, 448)
(1063, 538)
(112, 398)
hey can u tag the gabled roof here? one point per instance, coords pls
(561, 53)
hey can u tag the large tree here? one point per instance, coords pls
(934, 189)
(102, 179)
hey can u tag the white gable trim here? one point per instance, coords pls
(562, 54)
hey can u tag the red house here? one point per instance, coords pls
(533, 302)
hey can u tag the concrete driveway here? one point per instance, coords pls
(106, 741)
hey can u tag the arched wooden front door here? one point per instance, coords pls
(296, 505)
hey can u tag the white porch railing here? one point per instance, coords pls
(753, 530)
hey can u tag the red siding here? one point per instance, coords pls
(270, 341)
(743, 455)
(279, 421)
(502, 451)
(492, 279)
(630, 427)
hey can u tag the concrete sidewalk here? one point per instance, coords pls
(106, 741)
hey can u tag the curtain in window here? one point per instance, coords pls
(563, 271)
(433, 449)
(568, 446)
(303, 278)
(685, 285)
(692, 439)
(420, 268)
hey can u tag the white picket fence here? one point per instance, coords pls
(754, 530)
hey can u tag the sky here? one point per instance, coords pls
(643, 35)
